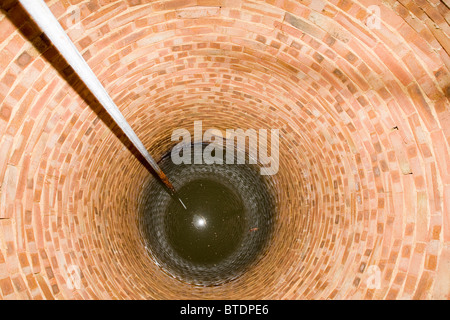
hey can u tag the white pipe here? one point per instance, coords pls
(45, 19)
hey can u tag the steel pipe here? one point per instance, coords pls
(45, 19)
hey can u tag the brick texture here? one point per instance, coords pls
(364, 179)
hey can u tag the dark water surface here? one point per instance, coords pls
(213, 225)
(225, 229)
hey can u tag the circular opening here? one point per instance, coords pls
(225, 228)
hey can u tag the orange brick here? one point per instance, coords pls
(6, 286)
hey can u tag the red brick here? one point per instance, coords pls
(364, 177)
(6, 286)
(24, 59)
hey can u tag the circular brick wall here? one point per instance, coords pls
(362, 106)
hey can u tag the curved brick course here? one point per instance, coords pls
(364, 179)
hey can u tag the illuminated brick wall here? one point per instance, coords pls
(363, 188)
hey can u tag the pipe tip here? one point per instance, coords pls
(181, 201)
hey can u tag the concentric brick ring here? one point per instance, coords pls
(363, 186)
(231, 240)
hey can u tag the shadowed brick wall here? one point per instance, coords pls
(364, 123)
